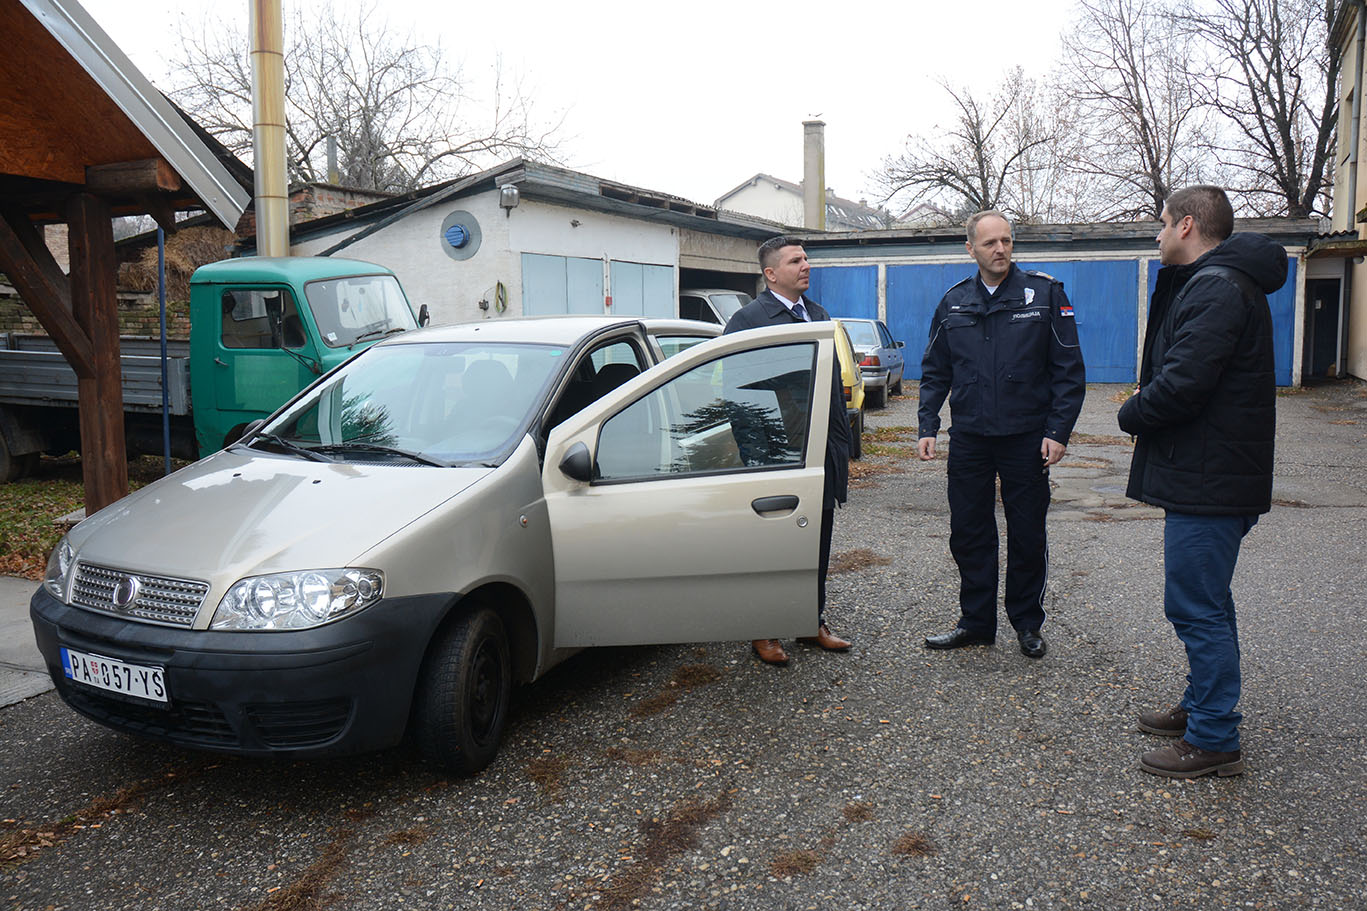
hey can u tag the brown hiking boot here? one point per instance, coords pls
(1183, 760)
(1170, 722)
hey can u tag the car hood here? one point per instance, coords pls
(239, 513)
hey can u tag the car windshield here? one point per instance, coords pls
(429, 402)
(862, 334)
(728, 304)
(357, 308)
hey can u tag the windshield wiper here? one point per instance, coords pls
(373, 333)
(358, 446)
(286, 445)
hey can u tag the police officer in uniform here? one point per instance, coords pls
(1003, 347)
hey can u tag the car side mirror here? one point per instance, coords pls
(424, 315)
(901, 344)
(578, 463)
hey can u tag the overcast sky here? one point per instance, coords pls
(692, 98)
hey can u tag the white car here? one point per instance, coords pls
(454, 510)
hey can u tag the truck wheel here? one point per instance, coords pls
(857, 437)
(464, 692)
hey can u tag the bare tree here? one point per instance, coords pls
(982, 160)
(1273, 79)
(1126, 69)
(400, 116)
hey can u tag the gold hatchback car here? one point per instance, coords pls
(852, 378)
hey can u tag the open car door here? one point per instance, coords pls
(686, 505)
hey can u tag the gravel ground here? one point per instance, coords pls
(889, 777)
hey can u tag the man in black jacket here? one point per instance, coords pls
(1003, 347)
(1205, 418)
(783, 303)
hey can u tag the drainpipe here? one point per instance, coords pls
(268, 129)
(814, 174)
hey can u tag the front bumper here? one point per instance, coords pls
(345, 687)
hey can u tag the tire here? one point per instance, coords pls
(857, 437)
(897, 387)
(464, 692)
(880, 397)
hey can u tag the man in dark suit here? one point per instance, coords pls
(787, 274)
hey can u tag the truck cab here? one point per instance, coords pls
(263, 328)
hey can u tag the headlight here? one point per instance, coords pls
(59, 568)
(297, 600)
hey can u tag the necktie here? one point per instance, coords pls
(800, 311)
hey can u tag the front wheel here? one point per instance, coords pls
(857, 437)
(464, 693)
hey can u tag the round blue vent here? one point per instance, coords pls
(457, 236)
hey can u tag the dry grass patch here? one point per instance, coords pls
(548, 773)
(858, 811)
(794, 863)
(661, 840)
(409, 837)
(634, 757)
(855, 560)
(1121, 396)
(686, 677)
(890, 434)
(913, 844)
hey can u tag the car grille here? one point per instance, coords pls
(157, 599)
(192, 723)
(291, 725)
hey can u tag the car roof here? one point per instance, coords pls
(713, 291)
(542, 330)
(681, 327)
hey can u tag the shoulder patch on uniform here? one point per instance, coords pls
(1043, 275)
(1065, 310)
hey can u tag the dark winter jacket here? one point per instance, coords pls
(1009, 362)
(1205, 413)
(767, 310)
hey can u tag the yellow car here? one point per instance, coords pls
(853, 381)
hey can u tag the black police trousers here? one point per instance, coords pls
(975, 463)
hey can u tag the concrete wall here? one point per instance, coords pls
(765, 199)
(1349, 160)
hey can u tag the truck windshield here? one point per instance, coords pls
(357, 308)
(442, 402)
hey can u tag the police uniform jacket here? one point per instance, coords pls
(1206, 409)
(1009, 362)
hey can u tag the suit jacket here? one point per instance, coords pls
(767, 310)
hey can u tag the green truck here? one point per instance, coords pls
(261, 329)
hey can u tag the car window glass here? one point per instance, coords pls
(884, 336)
(728, 304)
(261, 318)
(694, 308)
(861, 333)
(348, 310)
(748, 410)
(453, 402)
(603, 370)
(671, 345)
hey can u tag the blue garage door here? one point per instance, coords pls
(561, 284)
(846, 290)
(642, 289)
(1283, 307)
(1103, 294)
(1105, 297)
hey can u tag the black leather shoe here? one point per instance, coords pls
(958, 638)
(1032, 643)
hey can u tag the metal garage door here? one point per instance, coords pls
(846, 290)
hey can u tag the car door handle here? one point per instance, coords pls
(785, 503)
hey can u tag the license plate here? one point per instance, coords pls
(135, 680)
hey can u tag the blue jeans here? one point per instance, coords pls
(1199, 553)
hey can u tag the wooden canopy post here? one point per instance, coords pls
(104, 459)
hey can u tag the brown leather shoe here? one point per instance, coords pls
(826, 639)
(770, 652)
(1169, 722)
(1184, 760)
